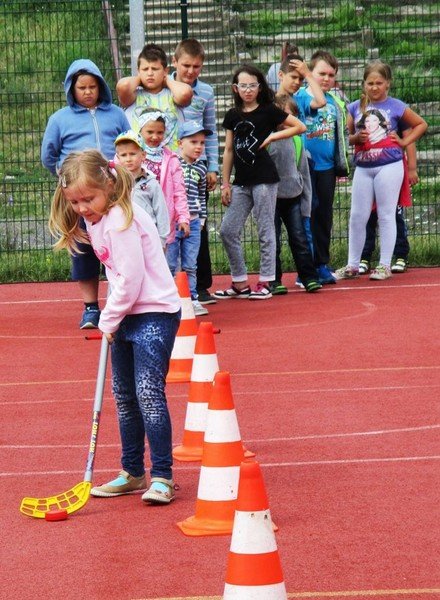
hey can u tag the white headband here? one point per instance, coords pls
(147, 116)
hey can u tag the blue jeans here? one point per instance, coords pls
(187, 249)
(140, 359)
(288, 211)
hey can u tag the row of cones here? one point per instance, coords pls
(231, 498)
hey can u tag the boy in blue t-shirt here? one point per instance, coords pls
(325, 142)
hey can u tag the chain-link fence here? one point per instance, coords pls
(38, 41)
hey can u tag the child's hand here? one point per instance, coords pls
(266, 142)
(300, 66)
(110, 337)
(362, 136)
(226, 196)
(413, 176)
(185, 228)
(211, 181)
(394, 136)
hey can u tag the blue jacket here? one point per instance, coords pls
(75, 127)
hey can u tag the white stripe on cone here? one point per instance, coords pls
(187, 309)
(196, 414)
(184, 347)
(274, 591)
(218, 483)
(222, 426)
(253, 533)
(205, 366)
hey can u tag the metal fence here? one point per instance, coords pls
(38, 41)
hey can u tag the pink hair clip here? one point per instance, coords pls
(112, 169)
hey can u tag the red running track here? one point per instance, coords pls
(336, 392)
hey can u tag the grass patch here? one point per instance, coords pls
(37, 265)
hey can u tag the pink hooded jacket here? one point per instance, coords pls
(173, 187)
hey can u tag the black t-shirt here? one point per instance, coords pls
(250, 129)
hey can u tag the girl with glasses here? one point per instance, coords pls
(250, 127)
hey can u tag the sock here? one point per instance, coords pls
(91, 305)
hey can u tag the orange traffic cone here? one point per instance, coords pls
(204, 368)
(221, 459)
(183, 350)
(254, 567)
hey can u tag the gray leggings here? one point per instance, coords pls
(383, 185)
(261, 200)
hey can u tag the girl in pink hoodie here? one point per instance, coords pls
(165, 165)
(141, 316)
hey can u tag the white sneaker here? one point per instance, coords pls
(199, 310)
(364, 267)
(399, 266)
(380, 273)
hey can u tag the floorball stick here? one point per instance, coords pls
(75, 498)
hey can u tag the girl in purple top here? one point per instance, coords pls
(141, 316)
(373, 122)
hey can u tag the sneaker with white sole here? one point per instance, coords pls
(123, 484)
(199, 310)
(346, 273)
(400, 266)
(205, 297)
(261, 291)
(90, 318)
(161, 491)
(380, 273)
(364, 267)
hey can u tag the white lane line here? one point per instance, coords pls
(420, 368)
(295, 438)
(294, 391)
(331, 288)
(305, 463)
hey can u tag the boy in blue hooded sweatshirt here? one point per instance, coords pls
(90, 120)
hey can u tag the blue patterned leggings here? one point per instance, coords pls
(140, 359)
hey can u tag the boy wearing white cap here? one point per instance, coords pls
(191, 147)
(147, 193)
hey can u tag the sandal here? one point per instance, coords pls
(232, 292)
(161, 491)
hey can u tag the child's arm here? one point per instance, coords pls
(411, 156)
(179, 197)
(160, 211)
(211, 143)
(318, 100)
(51, 147)
(181, 92)
(202, 199)
(228, 161)
(289, 127)
(417, 126)
(355, 138)
(126, 90)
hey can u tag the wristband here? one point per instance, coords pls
(225, 186)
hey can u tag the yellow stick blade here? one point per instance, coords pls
(70, 501)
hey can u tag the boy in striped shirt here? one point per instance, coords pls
(191, 147)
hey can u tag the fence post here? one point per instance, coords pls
(184, 18)
(137, 31)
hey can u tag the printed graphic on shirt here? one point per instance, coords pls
(102, 253)
(323, 124)
(376, 123)
(198, 104)
(245, 143)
